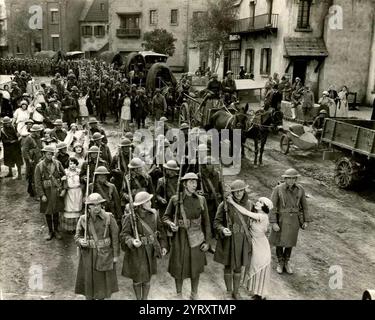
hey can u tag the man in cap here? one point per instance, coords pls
(49, 188)
(229, 88)
(99, 246)
(117, 97)
(105, 152)
(233, 248)
(32, 154)
(187, 217)
(142, 242)
(307, 104)
(93, 123)
(318, 123)
(158, 105)
(167, 185)
(327, 103)
(290, 213)
(12, 147)
(53, 110)
(107, 190)
(62, 154)
(102, 98)
(16, 95)
(93, 162)
(59, 133)
(119, 164)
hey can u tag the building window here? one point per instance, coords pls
(249, 61)
(86, 31)
(234, 62)
(153, 17)
(55, 43)
(37, 46)
(99, 31)
(174, 16)
(130, 22)
(265, 61)
(102, 7)
(252, 12)
(303, 19)
(54, 16)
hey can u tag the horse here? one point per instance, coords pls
(258, 129)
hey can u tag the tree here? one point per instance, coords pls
(213, 27)
(160, 41)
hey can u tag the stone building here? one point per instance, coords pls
(35, 25)
(322, 42)
(130, 19)
(94, 26)
(3, 29)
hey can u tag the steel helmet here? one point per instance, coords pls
(136, 163)
(93, 149)
(141, 198)
(48, 149)
(190, 176)
(61, 145)
(97, 136)
(238, 185)
(101, 170)
(171, 165)
(94, 198)
(125, 143)
(291, 173)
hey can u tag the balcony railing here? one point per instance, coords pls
(128, 33)
(255, 24)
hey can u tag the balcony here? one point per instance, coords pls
(128, 33)
(263, 22)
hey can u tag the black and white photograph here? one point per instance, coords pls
(184, 150)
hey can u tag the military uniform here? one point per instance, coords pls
(92, 164)
(96, 276)
(58, 134)
(119, 167)
(32, 154)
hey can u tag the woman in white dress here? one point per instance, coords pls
(20, 116)
(257, 277)
(342, 108)
(79, 154)
(73, 197)
(125, 113)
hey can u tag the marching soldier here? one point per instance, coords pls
(167, 185)
(233, 248)
(187, 217)
(105, 153)
(120, 161)
(70, 107)
(98, 241)
(289, 215)
(93, 123)
(93, 162)
(107, 190)
(48, 186)
(143, 240)
(139, 180)
(32, 154)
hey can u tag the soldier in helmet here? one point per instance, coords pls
(99, 246)
(142, 242)
(49, 188)
(62, 154)
(138, 178)
(59, 133)
(93, 162)
(119, 164)
(105, 153)
(233, 247)
(70, 107)
(167, 185)
(289, 215)
(93, 123)
(187, 217)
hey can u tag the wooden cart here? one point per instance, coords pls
(352, 144)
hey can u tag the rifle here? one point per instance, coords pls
(178, 192)
(225, 203)
(87, 194)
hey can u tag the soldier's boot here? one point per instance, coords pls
(178, 288)
(236, 286)
(228, 279)
(19, 176)
(145, 290)
(138, 290)
(10, 173)
(280, 266)
(50, 228)
(194, 288)
(56, 232)
(288, 267)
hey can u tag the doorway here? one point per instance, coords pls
(299, 69)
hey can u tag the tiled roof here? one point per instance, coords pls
(305, 47)
(93, 12)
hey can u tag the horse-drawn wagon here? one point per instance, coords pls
(353, 144)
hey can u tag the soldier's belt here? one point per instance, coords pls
(189, 222)
(289, 212)
(102, 243)
(147, 240)
(236, 228)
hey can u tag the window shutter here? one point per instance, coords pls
(261, 61)
(269, 60)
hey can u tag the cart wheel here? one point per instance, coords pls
(284, 144)
(347, 172)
